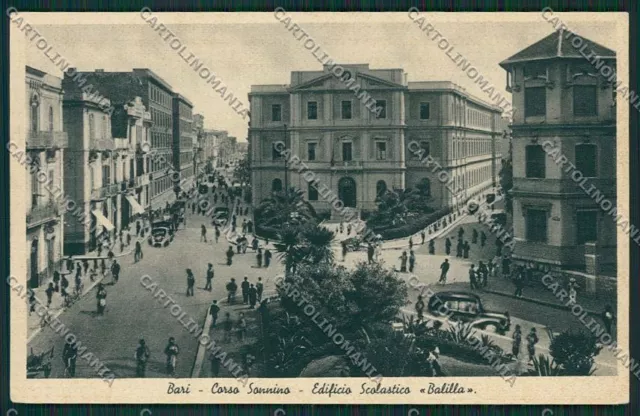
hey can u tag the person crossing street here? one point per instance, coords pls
(210, 272)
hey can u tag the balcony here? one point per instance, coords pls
(42, 214)
(533, 186)
(347, 165)
(47, 139)
(105, 192)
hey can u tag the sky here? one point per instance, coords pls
(264, 52)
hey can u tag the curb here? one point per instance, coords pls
(539, 302)
(200, 353)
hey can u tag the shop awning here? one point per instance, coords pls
(102, 220)
(135, 206)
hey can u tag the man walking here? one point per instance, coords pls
(115, 271)
(245, 290)
(412, 261)
(69, 356)
(137, 255)
(230, 255)
(253, 296)
(370, 253)
(420, 307)
(142, 356)
(472, 277)
(191, 281)
(209, 277)
(422, 236)
(259, 289)
(203, 233)
(217, 234)
(267, 258)
(447, 246)
(213, 311)
(444, 267)
(232, 288)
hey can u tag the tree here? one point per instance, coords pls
(575, 352)
(317, 242)
(284, 208)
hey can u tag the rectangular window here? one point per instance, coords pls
(586, 226)
(106, 179)
(535, 161)
(346, 151)
(381, 150)
(424, 111)
(382, 105)
(311, 151)
(312, 110)
(584, 100)
(586, 160)
(313, 193)
(346, 110)
(535, 101)
(535, 71)
(276, 112)
(536, 223)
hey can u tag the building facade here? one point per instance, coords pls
(157, 97)
(566, 113)
(211, 142)
(183, 141)
(46, 142)
(359, 154)
(198, 154)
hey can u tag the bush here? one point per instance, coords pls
(575, 352)
(412, 227)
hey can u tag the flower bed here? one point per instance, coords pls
(414, 226)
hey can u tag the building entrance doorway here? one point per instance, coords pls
(347, 192)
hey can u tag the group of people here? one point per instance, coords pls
(251, 294)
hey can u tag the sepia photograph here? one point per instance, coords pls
(288, 207)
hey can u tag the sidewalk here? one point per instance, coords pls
(541, 295)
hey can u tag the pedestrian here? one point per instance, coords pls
(137, 255)
(419, 307)
(138, 228)
(103, 267)
(432, 247)
(115, 271)
(349, 229)
(128, 238)
(244, 286)
(203, 233)
(32, 300)
(209, 277)
(69, 356)
(191, 281)
(49, 293)
(532, 340)
(370, 253)
(472, 277)
(608, 318)
(403, 262)
(259, 289)
(459, 247)
(253, 296)
(254, 244)
(465, 249)
(474, 236)
(483, 239)
(517, 341)
(110, 255)
(412, 261)
(484, 274)
(85, 265)
(447, 246)
(171, 351)
(411, 243)
(518, 282)
(422, 236)
(121, 245)
(267, 257)
(341, 227)
(232, 288)
(142, 356)
(444, 267)
(242, 327)
(250, 226)
(227, 326)
(491, 268)
(64, 284)
(213, 311)
(230, 255)
(56, 281)
(78, 280)
(259, 257)
(506, 267)
(217, 234)
(460, 233)
(101, 299)
(244, 226)
(344, 250)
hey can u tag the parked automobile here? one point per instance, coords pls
(467, 307)
(221, 213)
(160, 237)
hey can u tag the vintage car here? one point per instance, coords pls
(160, 237)
(467, 307)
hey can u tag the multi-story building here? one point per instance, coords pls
(226, 149)
(358, 153)
(45, 144)
(198, 154)
(183, 141)
(211, 142)
(157, 97)
(566, 109)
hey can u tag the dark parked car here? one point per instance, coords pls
(221, 213)
(467, 307)
(160, 237)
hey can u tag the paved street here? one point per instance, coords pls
(132, 312)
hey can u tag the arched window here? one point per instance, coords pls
(276, 185)
(381, 188)
(92, 127)
(50, 118)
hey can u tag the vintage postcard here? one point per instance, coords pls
(281, 207)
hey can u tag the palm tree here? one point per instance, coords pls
(317, 241)
(289, 247)
(284, 207)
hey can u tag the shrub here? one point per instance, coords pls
(413, 226)
(575, 352)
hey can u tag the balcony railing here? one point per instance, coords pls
(42, 214)
(106, 191)
(350, 164)
(47, 139)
